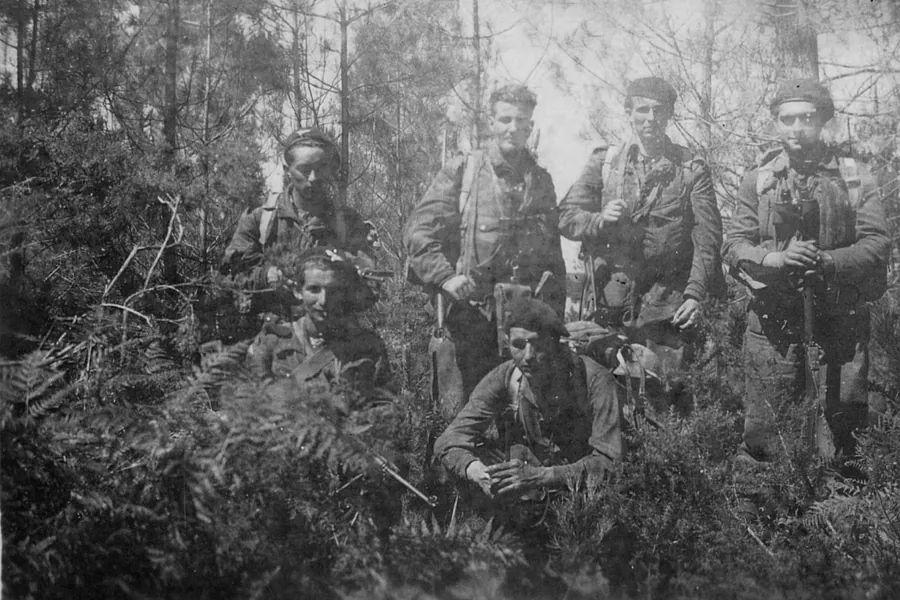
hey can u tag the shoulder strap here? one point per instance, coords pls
(468, 209)
(765, 178)
(473, 164)
(850, 174)
(265, 219)
(611, 154)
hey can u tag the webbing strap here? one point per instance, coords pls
(468, 211)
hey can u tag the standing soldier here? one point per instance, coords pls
(300, 218)
(645, 212)
(806, 218)
(488, 218)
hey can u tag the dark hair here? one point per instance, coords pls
(513, 93)
(534, 315)
(359, 295)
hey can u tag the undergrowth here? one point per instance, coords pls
(131, 471)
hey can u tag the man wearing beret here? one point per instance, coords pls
(488, 218)
(300, 218)
(646, 215)
(557, 415)
(806, 216)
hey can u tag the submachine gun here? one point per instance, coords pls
(798, 219)
(816, 433)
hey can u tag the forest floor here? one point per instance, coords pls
(129, 474)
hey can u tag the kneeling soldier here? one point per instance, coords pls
(326, 335)
(557, 414)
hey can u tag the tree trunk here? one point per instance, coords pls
(344, 175)
(796, 40)
(295, 63)
(32, 56)
(476, 95)
(706, 101)
(20, 61)
(204, 202)
(170, 108)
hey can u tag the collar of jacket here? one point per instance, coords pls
(289, 208)
(780, 161)
(669, 158)
(525, 160)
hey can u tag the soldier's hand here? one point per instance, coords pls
(459, 286)
(613, 211)
(477, 473)
(798, 255)
(687, 314)
(516, 477)
(274, 276)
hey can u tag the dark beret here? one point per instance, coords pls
(534, 315)
(315, 138)
(803, 90)
(653, 88)
(308, 137)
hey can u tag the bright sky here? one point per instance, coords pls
(522, 39)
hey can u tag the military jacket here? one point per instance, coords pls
(671, 230)
(576, 427)
(286, 349)
(248, 256)
(515, 226)
(851, 228)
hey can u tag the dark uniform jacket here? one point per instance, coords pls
(286, 349)
(575, 428)
(851, 228)
(514, 224)
(671, 230)
(248, 257)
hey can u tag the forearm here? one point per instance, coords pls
(743, 241)
(578, 224)
(432, 231)
(706, 236)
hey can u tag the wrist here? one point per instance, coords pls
(549, 476)
(826, 264)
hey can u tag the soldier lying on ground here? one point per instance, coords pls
(326, 336)
(557, 414)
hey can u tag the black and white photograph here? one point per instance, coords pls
(450, 299)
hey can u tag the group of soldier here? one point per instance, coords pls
(807, 237)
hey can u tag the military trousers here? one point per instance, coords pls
(466, 353)
(775, 379)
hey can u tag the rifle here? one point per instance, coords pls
(817, 434)
(388, 468)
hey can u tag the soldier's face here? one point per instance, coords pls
(649, 118)
(308, 169)
(510, 125)
(799, 125)
(531, 352)
(323, 294)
